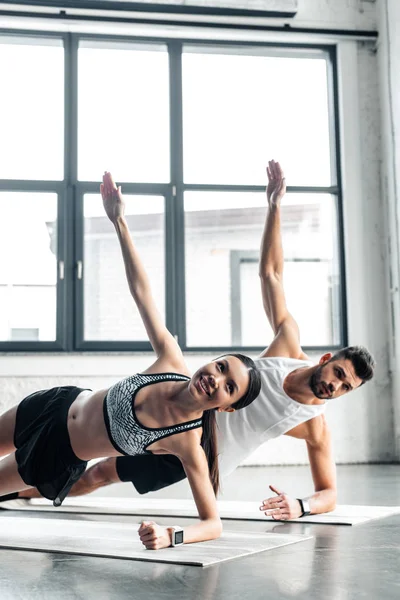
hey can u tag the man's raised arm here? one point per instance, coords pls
(287, 339)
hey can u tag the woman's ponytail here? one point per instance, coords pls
(209, 442)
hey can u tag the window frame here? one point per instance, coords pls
(70, 192)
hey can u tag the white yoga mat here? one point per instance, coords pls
(120, 540)
(246, 511)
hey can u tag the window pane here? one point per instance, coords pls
(223, 234)
(110, 313)
(31, 109)
(123, 112)
(28, 269)
(239, 110)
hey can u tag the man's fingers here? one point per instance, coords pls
(283, 516)
(275, 489)
(272, 502)
(278, 513)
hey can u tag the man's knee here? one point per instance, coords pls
(102, 473)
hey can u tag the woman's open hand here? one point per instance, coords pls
(276, 188)
(113, 201)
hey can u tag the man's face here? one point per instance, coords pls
(332, 379)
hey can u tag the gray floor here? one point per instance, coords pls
(340, 563)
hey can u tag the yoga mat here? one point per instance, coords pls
(120, 540)
(246, 511)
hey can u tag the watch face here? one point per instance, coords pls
(178, 537)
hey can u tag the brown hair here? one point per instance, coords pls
(362, 361)
(209, 439)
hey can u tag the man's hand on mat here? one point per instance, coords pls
(281, 507)
(276, 188)
(113, 201)
(154, 536)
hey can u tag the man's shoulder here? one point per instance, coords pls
(281, 361)
(313, 431)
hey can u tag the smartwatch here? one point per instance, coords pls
(176, 535)
(305, 507)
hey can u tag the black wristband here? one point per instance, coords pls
(305, 507)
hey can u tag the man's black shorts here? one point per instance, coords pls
(150, 472)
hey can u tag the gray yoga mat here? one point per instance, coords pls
(246, 511)
(120, 540)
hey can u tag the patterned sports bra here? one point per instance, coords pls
(126, 433)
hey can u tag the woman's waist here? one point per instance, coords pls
(86, 426)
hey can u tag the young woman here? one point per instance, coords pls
(51, 434)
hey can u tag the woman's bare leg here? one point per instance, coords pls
(99, 475)
(10, 479)
(7, 428)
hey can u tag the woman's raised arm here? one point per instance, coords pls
(163, 342)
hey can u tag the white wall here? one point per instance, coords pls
(363, 422)
(389, 80)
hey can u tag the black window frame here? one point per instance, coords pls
(70, 192)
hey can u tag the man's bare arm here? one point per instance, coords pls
(317, 436)
(287, 338)
(323, 469)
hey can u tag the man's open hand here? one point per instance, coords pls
(281, 507)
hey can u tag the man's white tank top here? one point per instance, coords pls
(272, 414)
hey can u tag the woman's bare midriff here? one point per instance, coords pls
(86, 427)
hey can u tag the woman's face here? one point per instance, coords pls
(220, 383)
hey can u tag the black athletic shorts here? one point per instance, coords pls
(150, 472)
(44, 454)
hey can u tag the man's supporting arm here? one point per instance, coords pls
(323, 469)
(318, 439)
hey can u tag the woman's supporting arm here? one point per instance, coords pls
(194, 462)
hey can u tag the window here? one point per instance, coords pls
(123, 111)
(110, 313)
(28, 269)
(187, 131)
(32, 108)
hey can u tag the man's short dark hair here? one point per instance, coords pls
(362, 361)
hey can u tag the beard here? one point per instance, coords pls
(314, 382)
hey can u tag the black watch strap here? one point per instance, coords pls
(305, 507)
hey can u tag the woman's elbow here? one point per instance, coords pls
(217, 528)
(333, 500)
(213, 528)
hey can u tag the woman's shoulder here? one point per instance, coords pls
(162, 365)
(186, 446)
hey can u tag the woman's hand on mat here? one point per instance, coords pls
(113, 201)
(154, 536)
(281, 507)
(276, 188)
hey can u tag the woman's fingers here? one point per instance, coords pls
(148, 538)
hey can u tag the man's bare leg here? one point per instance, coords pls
(99, 475)
(10, 479)
(7, 429)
